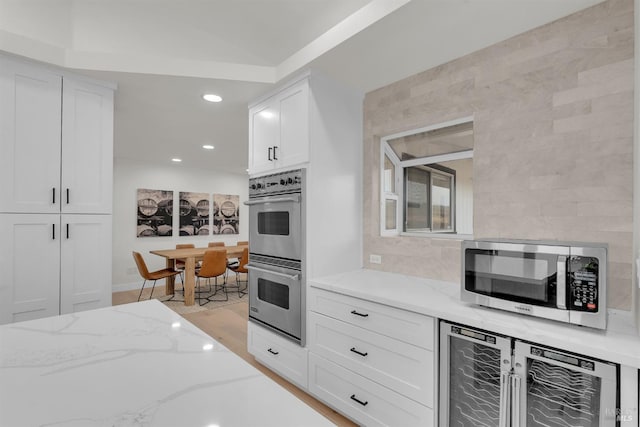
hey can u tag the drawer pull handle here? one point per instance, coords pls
(359, 314)
(273, 352)
(353, 349)
(353, 397)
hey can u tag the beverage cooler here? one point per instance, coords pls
(496, 381)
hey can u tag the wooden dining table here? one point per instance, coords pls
(191, 256)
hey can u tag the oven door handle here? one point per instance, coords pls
(264, 270)
(295, 199)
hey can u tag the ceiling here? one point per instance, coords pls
(164, 54)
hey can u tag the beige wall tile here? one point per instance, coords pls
(553, 126)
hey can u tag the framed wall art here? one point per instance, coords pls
(226, 214)
(194, 214)
(155, 213)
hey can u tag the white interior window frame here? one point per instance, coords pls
(399, 165)
(386, 195)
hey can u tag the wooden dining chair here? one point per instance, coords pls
(151, 275)
(214, 265)
(241, 268)
(242, 243)
(215, 244)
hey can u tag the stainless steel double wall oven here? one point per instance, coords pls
(276, 242)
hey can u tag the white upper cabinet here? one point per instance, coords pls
(56, 137)
(87, 147)
(279, 129)
(30, 128)
(264, 135)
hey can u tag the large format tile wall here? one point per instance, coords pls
(553, 117)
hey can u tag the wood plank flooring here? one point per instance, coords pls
(228, 325)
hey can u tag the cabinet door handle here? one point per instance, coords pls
(67, 196)
(67, 230)
(353, 349)
(274, 152)
(53, 231)
(53, 192)
(359, 314)
(273, 352)
(270, 148)
(353, 397)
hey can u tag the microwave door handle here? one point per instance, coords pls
(561, 283)
(278, 200)
(264, 270)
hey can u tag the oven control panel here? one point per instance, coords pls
(277, 183)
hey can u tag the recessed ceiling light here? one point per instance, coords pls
(211, 97)
(208, 147)
(175, 159)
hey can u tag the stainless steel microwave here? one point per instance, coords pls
(558, 281)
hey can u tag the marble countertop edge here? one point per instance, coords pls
(620, 343)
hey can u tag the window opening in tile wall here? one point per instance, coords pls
(426, 180)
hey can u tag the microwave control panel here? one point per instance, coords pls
(583, 286)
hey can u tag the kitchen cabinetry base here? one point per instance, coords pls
(282, 356)
(362, 400)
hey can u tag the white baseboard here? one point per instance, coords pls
(126, 286)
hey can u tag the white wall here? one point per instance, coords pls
(128, 177)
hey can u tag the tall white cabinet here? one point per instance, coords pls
(315, 123)
(56, 175)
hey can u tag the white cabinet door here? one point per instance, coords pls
(294, 126)
(30, 265)
(278, 354)
(30, 106)
(364, 401)
(279, 130)
(264, 134)
(87, 148)
(85, 280)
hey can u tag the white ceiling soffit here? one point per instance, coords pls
(427, 33)
(246, 40)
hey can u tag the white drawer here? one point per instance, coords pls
(406, 326)
(279, 354)
(364, 401)
(402, 367)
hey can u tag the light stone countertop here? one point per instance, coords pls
(620, 343)
(138, 364)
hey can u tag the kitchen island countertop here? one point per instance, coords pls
(137, 364)
(620, 343)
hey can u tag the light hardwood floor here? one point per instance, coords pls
(228, 325)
